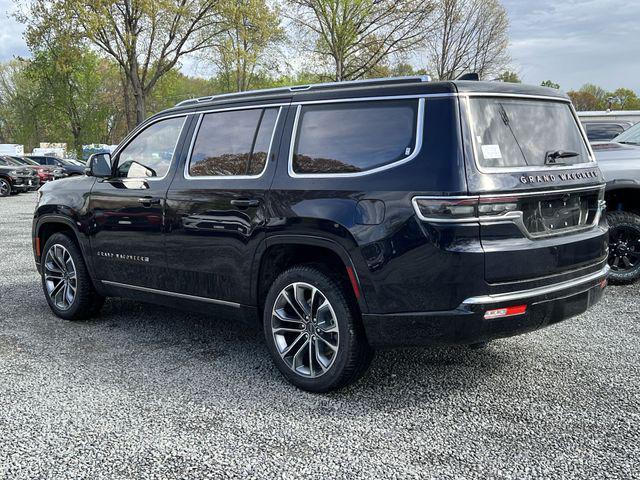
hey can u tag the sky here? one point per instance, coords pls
(571, 42)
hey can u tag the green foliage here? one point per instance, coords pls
(509, 77)
(550, 84)
(593, 97)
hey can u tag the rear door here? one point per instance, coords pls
(541, 192)
(128, 209)
(217, 204)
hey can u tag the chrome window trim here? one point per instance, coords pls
(509, 217)
(416, 149)
(171, 294)
(534, 292)
(134, 134)
(525, 168)
(187, 163)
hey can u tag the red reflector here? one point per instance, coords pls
(354, 282)
(37, 246)
(603, 283)
(506, 311)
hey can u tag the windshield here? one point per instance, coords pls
(27, 161)
(512, 132)
(631, 136)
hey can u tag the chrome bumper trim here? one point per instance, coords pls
(534, 292)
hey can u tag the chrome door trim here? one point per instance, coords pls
(171, 294)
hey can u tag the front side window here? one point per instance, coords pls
(233, 143)
(510, 132)
(354, 137)
(150, 153)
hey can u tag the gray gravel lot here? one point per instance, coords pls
(150, 392)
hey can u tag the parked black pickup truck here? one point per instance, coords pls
(341, 218)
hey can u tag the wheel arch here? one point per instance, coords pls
(48, 225)
(279, 252)
(623, 196)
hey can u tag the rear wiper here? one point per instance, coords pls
(551, 158)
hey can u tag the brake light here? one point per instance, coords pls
(505, 312)
(463, 208)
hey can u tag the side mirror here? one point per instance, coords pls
(99, 165)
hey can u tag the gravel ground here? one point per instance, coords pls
(150, 392)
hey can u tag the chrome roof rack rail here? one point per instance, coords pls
(299, 88)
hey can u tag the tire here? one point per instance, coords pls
(5, 188)
(335, 323)
(85, 302)
(624, 247)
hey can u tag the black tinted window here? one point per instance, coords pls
(516, 133)
(603, 131)
(233, 143)
(354, 137)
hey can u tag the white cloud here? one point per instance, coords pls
(576, 42)
(11, 42)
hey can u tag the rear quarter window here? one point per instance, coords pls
(351, 137)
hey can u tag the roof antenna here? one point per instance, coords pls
(469, 76)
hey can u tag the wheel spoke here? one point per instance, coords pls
(287, 330)
(280, 315)
(327, 343)
(290, 347)
(294, 305)
(310, 349)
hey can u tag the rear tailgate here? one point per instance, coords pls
(528, 161)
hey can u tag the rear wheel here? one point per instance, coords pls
(66, 282)
(624, 247)
(313, 332)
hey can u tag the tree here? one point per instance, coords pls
(353, 37)
(471, 36)
(509, 77)
(624, 99)
(146, 38)
(71, 81)
(584, 101)
(550, 84)
(249, 43)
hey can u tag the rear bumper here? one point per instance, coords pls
(467, 324)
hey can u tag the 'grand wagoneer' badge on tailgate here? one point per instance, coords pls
(552, 177)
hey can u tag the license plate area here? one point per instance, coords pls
(556, 214)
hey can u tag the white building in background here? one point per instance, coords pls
(11, 149)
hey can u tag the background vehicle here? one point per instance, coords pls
(46, 173)
(344, 217)
(619, 161)
(603, 130)
(24, 178)
(70, 169)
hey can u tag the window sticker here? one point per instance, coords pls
(491, 151)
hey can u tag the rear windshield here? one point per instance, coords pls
(513, 132)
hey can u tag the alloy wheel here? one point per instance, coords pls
(60, 277)
(5, 188)
(624, 243)
(305, 329)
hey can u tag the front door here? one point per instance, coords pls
(128, 209)
(216, 206)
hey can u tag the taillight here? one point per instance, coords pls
(445, 209)
(463, 209)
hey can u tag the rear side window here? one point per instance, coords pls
(603, 131)
(233, 143)
(354, 137)
(520, 133)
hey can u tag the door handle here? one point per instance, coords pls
(245, 202)
(148, 201)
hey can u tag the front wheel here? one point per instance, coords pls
(66, 282)
(5, 188)
(624, 247)
(313, 332)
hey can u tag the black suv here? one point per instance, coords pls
(343, 217)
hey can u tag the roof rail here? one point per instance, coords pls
(299, 88)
